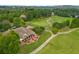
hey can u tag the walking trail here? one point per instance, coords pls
(50, 38)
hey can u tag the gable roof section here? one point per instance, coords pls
(23, 32)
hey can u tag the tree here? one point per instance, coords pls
(39, 30)
(54, 30)
(9, 43)
(58, 25)
(4, 25)
(18, 22)
(66, 23)
(75, 23)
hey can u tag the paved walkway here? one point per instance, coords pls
(50, 38)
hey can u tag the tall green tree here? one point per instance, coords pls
(75, 23)
(9, 43)
(4, 25)
(39, 30)
(18, 22)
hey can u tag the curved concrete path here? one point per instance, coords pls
(50, 38)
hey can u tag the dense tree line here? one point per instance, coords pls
(66, 12)
(37, 13)
(13, 19)
(9, 43)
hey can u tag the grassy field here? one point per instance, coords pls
(63, 44)
(39, 22)
(60, 19)
(33, 46)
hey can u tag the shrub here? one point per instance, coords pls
(39, 30)
(54, 30)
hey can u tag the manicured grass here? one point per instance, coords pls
(39, 22)
(33, 46)
(63, 44)
(60, 19)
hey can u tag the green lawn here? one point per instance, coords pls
(60, 19)
(33, 46)
(63, 44)
(39, 22)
